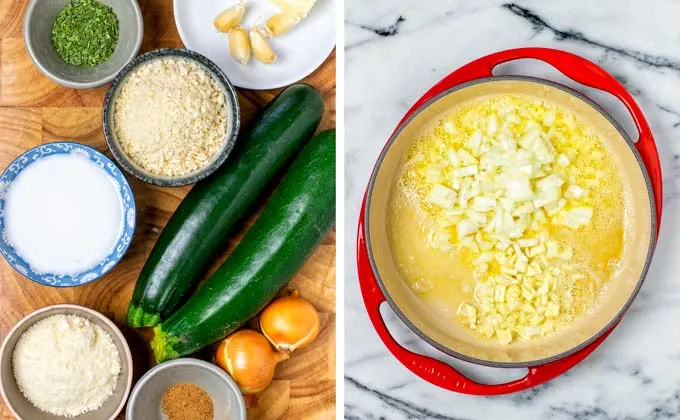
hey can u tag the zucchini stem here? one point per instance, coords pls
(137, 318)
(162, 345)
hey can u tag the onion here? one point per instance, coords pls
(247, 356)
(290, 323)
(491, 189)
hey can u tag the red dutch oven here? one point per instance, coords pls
(546, 357)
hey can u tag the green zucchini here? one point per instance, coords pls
(294, 221)
(215, 205)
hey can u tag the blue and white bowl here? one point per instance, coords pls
(123, 242)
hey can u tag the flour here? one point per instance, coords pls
(66, 365)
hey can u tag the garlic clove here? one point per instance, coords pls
(230, 18)
(281, 23)
(239, 45)
(261, 48)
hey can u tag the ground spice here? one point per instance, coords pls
(188, 402)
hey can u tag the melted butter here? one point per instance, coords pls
(444, 279)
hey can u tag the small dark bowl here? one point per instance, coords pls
(233, 119)
(39, 19)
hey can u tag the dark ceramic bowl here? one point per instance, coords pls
(233, 119)
(38, 21)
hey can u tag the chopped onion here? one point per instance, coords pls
(547, 196)
(519, 189)
(549, 119)
(466, 158)
(466, 227)
(474, 143)
(449, 127)
(465, 171)
(575, 192)
(576, 217)
(526, 243)
(492, 125)
(442, 196)
(484, 204)
(453, 158)
(499, 186)
(563, 160)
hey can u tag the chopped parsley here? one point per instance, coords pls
(85, 33)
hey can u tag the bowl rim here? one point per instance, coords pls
(127, 358)
(531, 363)
(230, 137)
(128, 207)
(73, 84)
(185, 361)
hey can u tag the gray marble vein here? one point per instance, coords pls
(385, 31)
(397, 49)
(539, 24)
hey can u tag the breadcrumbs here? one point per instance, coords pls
(170, 117)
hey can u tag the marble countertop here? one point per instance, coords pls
(395, 50)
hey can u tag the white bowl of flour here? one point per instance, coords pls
(63, 361)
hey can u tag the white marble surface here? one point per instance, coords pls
(395, 50)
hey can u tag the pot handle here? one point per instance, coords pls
(580, 70)
(439, 373)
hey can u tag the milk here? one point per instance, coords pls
(63, 214)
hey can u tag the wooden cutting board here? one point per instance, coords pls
(33, 110)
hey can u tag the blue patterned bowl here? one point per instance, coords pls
(68, 280)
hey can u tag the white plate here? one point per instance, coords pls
(299, 52)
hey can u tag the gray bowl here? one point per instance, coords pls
(21, 408)
(38, 21)
(147, 396)
(233, 119)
